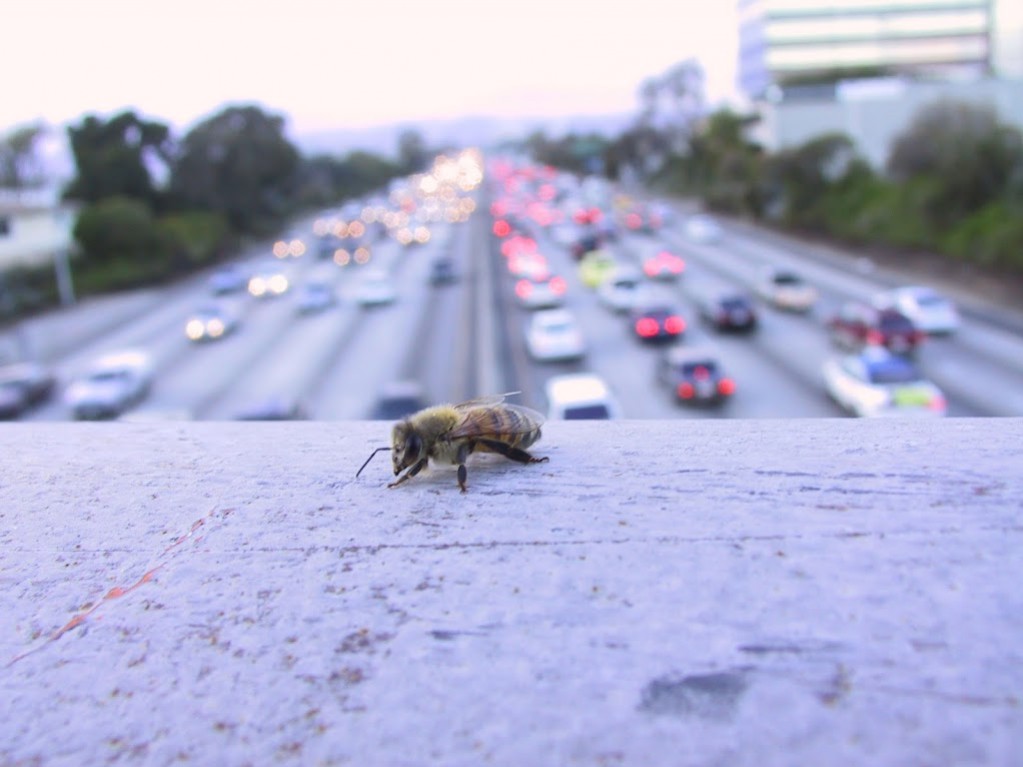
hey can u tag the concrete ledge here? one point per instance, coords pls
(659, 593)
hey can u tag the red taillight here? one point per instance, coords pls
(650, 268)
(726, 387)
(633, 221)
(558, 285)
(502, 228)
(685, 390)
(523, 288)
(937, 404)
(875, 337)
(674, 324)
(646, 327)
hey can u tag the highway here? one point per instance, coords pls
(467, 338)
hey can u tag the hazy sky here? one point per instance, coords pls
(342, 63)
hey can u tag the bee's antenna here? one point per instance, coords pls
(369, 459)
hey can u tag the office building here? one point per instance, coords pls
(796, 42)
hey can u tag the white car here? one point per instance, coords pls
(622, 291)
(876, 383)
(554, 334)
(580, 396)
(212, 321)
(375, 288)
(316, 296)
(268, 283)
(925, 307)
(702, 228)
(540, 292)
(112, 384)
(786, 289)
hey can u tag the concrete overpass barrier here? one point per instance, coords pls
(659, 593)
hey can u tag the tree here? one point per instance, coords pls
(20, 166)
(722, 164)
(118, 157)
(961, 157)
(122, 245)
(240, 164)
(797, 180)
(413, 156)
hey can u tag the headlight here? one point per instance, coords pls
(195, 329)
(215, 328)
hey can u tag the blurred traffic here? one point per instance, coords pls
(576, 297)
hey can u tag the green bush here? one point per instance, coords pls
(197, 238)
(993, 236)
(122, 245)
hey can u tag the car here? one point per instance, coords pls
(541, 292)
(929, 310)
(585, 244)
(657, 322)
(553, 335)
(622, 291)
(375, 288)
(22, 386)
(528, 264)
(442, 271)
(212, 321)
(664, 265)
(269, 282)
(728, 310)
(273, 408)
(702, 228)
(859, 324)
(398, 400)
(695, 375)
(595, 267)
(640, 218)
(112, 384)
(580, 396)
(227, 279)
(876, 382)
(316, 296)
(787, 290)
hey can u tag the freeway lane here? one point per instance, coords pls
(467, 339)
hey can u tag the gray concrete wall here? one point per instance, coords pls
(658, 593)
(875, 121)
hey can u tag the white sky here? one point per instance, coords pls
(351, 63)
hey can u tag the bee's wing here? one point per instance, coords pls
(495, 421)
(492, 399)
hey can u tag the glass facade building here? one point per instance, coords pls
(785, 42)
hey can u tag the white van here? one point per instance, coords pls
(579, 396)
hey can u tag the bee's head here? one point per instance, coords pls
(406, 446)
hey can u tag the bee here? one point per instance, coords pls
(450, 433)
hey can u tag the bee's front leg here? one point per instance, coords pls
(460, 458)
(417, 467)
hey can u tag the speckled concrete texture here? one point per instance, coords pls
(659, 593)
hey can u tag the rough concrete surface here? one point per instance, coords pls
(660, 593)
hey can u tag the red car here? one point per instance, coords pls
(664, 266)
(857, 325)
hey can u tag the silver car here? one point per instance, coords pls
(112, 384)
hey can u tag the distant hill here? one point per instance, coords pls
(478, 131)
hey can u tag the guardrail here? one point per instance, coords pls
(657, 593)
